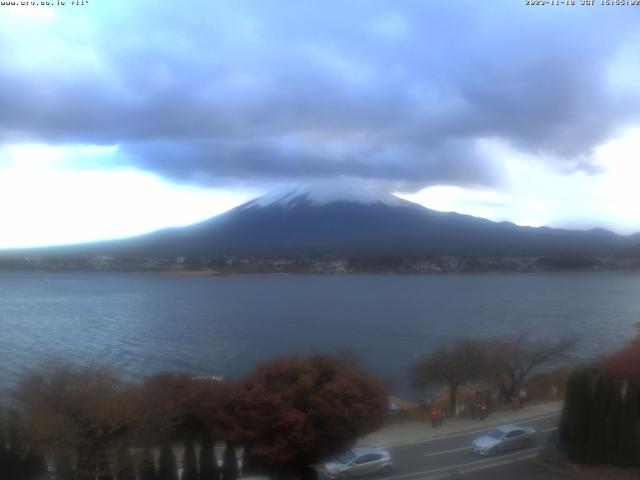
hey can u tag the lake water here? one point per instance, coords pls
(141, 324)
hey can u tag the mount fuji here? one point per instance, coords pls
(346, 218)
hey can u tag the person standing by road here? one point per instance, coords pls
(434, 416)
(522, 396)
(515, 402)
(484, 409)
(475, 409)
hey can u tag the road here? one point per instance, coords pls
(451, 457)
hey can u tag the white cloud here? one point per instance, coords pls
(42, 203)
(534, 193)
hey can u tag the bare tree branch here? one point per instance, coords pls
(519, 356)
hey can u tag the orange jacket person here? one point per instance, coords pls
(434, 416)
(515, 402)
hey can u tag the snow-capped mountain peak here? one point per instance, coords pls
(317, 194)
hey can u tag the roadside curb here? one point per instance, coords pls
(490, 423)
(582, 472)
(556, 468)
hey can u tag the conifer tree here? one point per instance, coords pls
(599, 418)
(629, 425)
(636, 452)
(85, 464)
(249, 463)
(576, 415)
(4, 452)
(16, 449)
(16, 441)
(167, 469)
(104, 466)
(147, 466)
(124, 464)
(230, 462)
(615, 419)
(62, 468)
(189, 462)
(35, 466)
(209, 469)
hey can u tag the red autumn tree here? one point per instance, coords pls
(75, 411)
(170, 404)
(625, 363)
(205, 405)
(293, 412)
(160, 404)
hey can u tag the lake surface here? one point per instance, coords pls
(142, 324)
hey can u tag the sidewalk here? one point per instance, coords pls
(397, 434)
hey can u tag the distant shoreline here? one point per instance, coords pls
(325, 265)
(209, 274)
(188, 273)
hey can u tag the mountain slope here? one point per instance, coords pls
(344, 221)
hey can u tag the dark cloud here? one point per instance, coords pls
(216, 162)
(400, 91)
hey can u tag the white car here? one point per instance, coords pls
(358, 461)
(501, 439)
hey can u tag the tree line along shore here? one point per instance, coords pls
(70, 422)
(321, 264)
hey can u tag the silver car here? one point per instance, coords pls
(501, 439)
(358, 461)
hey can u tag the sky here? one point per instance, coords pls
(120, 117)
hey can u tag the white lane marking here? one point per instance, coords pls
(501, 458)
(497, 464)
(438, 477)
(549, 430)
(444, 452)
(483, 467)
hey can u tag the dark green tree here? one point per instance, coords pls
(636, 454)
(576, 415)
(230, 462)
(629, 425)
(250, 464)
(16, 447)
(147, 466)
(4, 452)
(167, 469)
(124, 464)
(615, 424)
(35, 465)
(62, 467)
(601, 406)
(16, 434)
(189, 462)
(104, 466)
(209, 469)
(86, 463)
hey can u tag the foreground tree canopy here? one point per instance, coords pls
(601, 416)
(294, 412)
(287, 414)
(505, 362)
(453, 366)
(625, 363)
